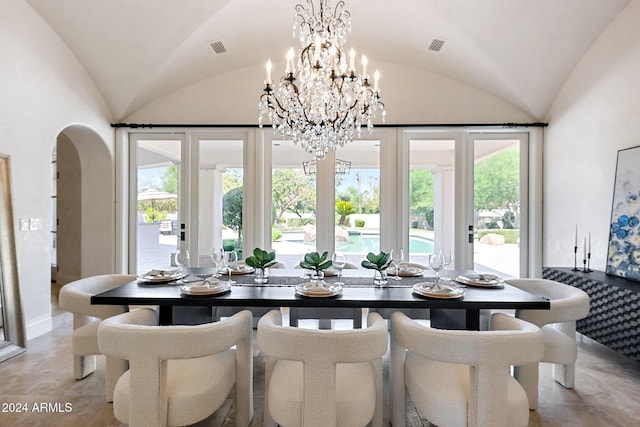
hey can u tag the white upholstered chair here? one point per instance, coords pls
(75, 297)
(558, 325)
(462, 378)
(179, 375)
(322, 378)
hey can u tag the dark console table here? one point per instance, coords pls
(614, 318)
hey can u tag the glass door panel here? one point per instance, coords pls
(220, 188)
(497, 203)
(156, 206)
(357, 200)
(431, 197)
(293, 201)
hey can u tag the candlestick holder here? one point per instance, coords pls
(584, 265)
(575, 259)
(589, 270)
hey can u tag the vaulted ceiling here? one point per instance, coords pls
(521, 51)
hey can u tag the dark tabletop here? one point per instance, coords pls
(358, 292)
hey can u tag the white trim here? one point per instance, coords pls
(39, 326)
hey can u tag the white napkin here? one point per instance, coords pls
(161, 273)
(208, 283)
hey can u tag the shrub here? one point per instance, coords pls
(510, 235)
(359, 222)
(275, 234)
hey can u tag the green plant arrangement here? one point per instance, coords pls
(261, 260)
(379, 263)
(316, 262)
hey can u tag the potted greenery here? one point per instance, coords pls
(317, 263)
(379, 263)
(261, 260)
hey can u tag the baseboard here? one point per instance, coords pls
(40, 326)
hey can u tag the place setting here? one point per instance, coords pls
(203, 286)
(318, 288)
(160, 276)
(481, 280)
(434, 288)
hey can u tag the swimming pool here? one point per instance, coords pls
(365, 243)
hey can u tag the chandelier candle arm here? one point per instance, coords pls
(321, 102)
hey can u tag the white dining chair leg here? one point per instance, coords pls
(83, 366)
(527, 376)
(397, 384)
(114, 368)
(565, 374)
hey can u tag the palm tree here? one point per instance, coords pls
(344, 208)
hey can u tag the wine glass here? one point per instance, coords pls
(230, 261)
(436, 261)
(446, 258)
(397, 256)
(338, 261)
(217, 256)
(182, 259)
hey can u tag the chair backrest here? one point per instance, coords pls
(490, 354)
(136, 337)
(75, 297)
(567, 302)
(320, 351)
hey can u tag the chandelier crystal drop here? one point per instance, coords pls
(322, 102)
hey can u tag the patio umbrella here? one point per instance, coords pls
(152, 196)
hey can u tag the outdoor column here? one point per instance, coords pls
(210, 224)
(443, 205)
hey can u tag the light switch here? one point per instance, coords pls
(24, 224)
(34, 224)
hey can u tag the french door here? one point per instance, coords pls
(498, 232)
(467, 193)
(186, 191)
(419, 190)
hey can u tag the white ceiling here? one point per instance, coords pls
(518, 50)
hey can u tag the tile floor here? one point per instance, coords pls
(606, 392)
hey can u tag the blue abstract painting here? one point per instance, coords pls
(623, 257)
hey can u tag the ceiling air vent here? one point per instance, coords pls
(218, 47)
(436, 45)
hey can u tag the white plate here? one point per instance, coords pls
(481, 280)
(405, 271)
(199, 289)
(322, 289)
(160, 276)
(426, 289)
(242, 269)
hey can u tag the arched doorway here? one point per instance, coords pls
(82, 205)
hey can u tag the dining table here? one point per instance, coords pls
(358, 292)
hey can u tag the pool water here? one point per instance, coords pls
(365, 243)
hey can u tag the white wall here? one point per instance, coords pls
(595, 114)
(43, 90)
(411, 96)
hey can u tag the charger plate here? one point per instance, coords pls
(160, 276)
(318, 289)
(427, 289)
(206, 288)
(481, 280)
(405, 271)
(242, 269)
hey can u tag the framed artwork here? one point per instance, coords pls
(623, 256)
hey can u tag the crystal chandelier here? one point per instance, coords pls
(322, 102)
